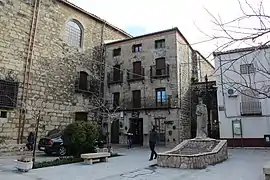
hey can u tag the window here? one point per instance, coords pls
(136, 98)
(137, 48)
(161, 97)
(8, 94)
(81, 116)
(74, 34)
(117, 72)
(137, 69)
(117, 52)
(250, 104)
(116, 100)
(160, 44)
(247, 68)
(3, 114)
(83, 83)
(160, 66)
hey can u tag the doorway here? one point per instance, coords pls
(136, 126)
(160, 127)
(115, 132)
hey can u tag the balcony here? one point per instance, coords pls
(115, 78)
(159, 72)
(250, 108)
(135, 76)
(147, 103)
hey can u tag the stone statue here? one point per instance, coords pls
(202, 117)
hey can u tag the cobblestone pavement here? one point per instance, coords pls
(242, 164)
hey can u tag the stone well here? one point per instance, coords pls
(194, 154)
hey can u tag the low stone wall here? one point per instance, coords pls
(175, 159)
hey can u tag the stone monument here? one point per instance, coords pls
(202, 116)
(196, 153)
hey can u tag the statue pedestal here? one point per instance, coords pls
(195, 153)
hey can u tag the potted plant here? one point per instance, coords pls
(24, 164)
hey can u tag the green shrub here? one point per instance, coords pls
(57, 162)
(80, 138)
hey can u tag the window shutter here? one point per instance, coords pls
(89, 83)
(77, 80)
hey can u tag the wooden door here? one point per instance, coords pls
(137, 68)
(116, 72)
(136, 98)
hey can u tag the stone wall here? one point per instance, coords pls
(204, 68)
(54, 64)
(199, 156)
(184, 60)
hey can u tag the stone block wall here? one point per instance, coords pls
(178, 56)
(54, 63)
(184, 62)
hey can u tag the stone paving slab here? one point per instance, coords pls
(241, 165)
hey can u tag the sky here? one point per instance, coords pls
(192, 17)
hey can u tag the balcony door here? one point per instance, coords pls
(160, 66)
(116, 72)
(116, 100)
(136, 98)
(137, 69)
(161, 97)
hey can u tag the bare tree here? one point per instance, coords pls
(251, 29)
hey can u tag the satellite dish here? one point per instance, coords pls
(230, 91)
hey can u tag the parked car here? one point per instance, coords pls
(53, 143)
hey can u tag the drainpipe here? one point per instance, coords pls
(31, 42)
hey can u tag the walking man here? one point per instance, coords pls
(152, 143)
(129, 136)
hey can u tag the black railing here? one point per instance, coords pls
(159, 72)
(135, 76)
(142, 103)
(251, 108)
(114, 78)
(8, 94)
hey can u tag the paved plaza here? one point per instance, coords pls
(134, 164)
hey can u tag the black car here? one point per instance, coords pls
(53, 143)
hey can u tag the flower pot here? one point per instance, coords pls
(23, 166)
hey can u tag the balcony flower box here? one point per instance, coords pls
(24, 164)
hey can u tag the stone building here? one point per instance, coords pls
(148, 82)
(201, 68)
(51, 59)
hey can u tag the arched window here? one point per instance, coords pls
(74, 33)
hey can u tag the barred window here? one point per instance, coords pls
(247, 68)
(74, 34)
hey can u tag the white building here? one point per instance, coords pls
(243, 80)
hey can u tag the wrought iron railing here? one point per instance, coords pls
(143, 103)
(159, 72)
(251, 108)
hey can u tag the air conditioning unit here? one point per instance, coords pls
(232, 93)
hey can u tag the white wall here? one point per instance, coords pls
(252, 126)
